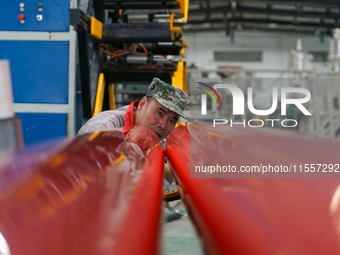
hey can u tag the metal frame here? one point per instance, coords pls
(266, 15)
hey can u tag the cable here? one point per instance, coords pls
(106, 49)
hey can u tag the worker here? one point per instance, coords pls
(159, 111)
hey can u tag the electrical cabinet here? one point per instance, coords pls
(36, 38)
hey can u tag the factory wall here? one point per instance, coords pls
(275, 48)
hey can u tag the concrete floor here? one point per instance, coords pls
(179, 236)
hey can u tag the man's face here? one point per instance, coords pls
(157, 117)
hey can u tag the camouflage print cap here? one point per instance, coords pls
(169, 96)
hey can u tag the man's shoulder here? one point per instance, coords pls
(110, 115)
(118, 112)
(106, 120)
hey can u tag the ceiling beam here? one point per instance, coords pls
(265, 21)
(314, 2)
(266, 11)
(258, 29)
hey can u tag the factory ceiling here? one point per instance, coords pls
(314, 17)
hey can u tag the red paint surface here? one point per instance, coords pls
(85, 199)
(258, 215)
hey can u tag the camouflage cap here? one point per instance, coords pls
(169, 96)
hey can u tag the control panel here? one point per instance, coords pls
(34, 15)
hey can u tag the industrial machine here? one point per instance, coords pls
(73, 59)
(123, 45)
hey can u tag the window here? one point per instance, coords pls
(238, 56)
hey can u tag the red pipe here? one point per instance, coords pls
(141, 230)
(84, 199)
(257, 215)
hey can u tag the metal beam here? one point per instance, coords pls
(318, 2)
(118, 4)
(136, 32)
(265, 11)
(257, 29)
(267, 21)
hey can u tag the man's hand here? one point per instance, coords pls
(144, 137)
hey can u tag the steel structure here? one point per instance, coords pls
(303, 17)
(138, 40)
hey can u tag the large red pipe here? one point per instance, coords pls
(84, 199)
(238, 215)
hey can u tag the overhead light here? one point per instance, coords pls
(205, 25)
(272, 25)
